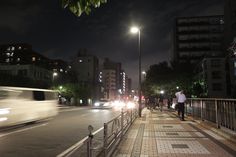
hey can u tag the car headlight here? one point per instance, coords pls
(96, 104)
(106, 104)
(130, 105)
(4, 111)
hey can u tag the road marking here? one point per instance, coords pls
(21, 130)
(74, 147)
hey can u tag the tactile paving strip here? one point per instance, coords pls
(138, 142)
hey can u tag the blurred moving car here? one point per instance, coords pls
(103, 104)
(125, 105)
(23, 105)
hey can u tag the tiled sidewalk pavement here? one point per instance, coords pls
(161, 134)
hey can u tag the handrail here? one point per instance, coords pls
(113, 131)
(222, 112)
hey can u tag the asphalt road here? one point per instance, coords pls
(51, 138)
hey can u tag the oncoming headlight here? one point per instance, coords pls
(106, 104)
(96, 104)
(4, 111)
(130, 105)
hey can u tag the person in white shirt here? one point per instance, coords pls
(181, 98)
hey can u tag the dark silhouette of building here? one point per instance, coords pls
(198, 37)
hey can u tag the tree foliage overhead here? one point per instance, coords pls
(80, 6)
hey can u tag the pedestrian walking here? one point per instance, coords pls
(181, 98)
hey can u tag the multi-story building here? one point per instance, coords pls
(29, 71)
(198, 37)
(212, 75)
(22, 54)
(112, 76)
(109, 83)
(86, 69)
(21, 60)
(230, 44)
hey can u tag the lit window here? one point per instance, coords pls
(80, 60)
(12, 48)
(61, 70)
(19, 48)
(7, 60)
(12, 54)
(8, 49)
(18, 59)
(8, 54)
(33, 59)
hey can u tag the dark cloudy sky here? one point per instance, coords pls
(57, 33)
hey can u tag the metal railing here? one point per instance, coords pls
(222, 112)
(100, 143)
(115, 129)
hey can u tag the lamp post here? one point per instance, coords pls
(144, 74)
(54, 74)
(136, 30)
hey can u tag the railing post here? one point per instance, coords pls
(89, 142)
(105, 140)
(122, 122)
(192, 108)
(131, 116)
(201, 103)
(217, 116)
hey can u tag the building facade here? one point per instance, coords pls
(198, 37)
(212, 75)
(22, 54)
(86, 68)
(86, 71)
(230, 45)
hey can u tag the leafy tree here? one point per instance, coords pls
(74, 90)
(163, 77)
(80, 6)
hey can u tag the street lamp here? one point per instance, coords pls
(136, 30)
(54, 74)
(144, 74)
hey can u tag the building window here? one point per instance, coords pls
(18, 59)
(33, 59)
(80, 60)
(215, 63)
(216, 75)
(216, 86)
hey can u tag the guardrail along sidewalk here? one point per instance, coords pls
(162, 134)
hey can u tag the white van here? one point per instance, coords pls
(23, 105)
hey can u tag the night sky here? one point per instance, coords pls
(58, 34)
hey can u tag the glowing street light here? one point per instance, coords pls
(136, 30)
(55, 74)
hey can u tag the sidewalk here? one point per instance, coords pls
(162, 134)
